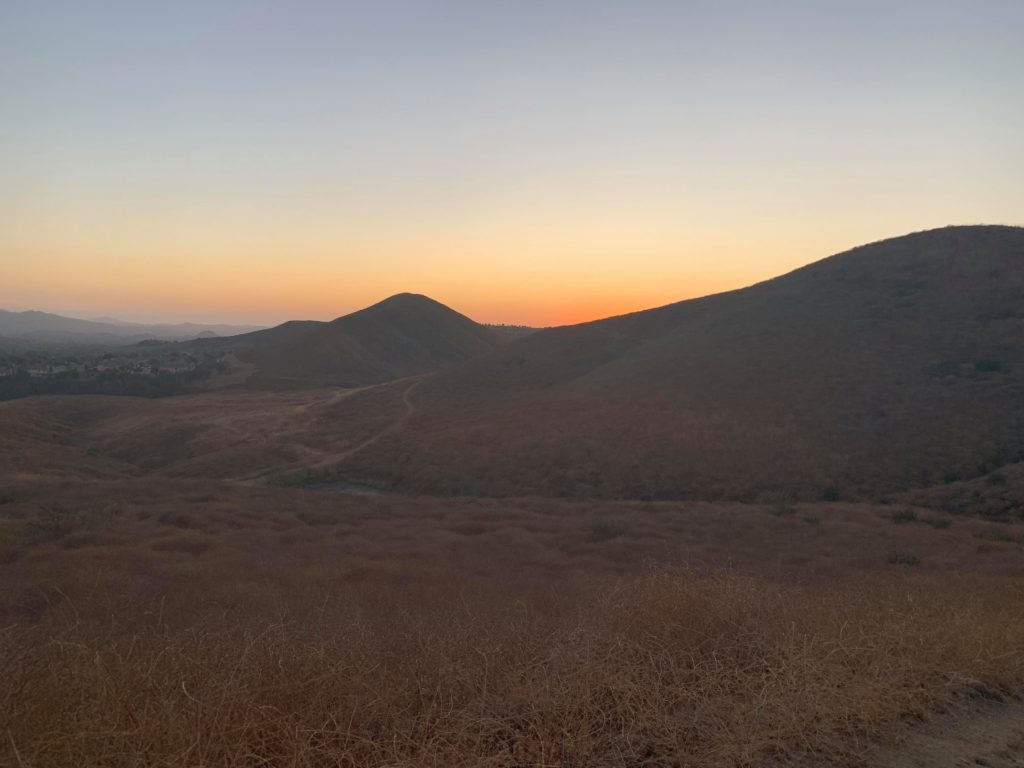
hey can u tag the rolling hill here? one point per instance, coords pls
(404, 335)
(894, 365)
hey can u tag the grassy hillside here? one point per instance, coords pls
(404, 335)
(894, 365)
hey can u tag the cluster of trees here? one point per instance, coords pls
(37, 373)
(111, 382)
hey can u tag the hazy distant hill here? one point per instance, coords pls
(893, 365)
(45, 327)
(401, 336)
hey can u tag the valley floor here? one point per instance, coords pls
(152, 614)
(190, 622)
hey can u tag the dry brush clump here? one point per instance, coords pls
(665, 668)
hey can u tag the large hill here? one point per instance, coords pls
(404, 335)
(894, 365)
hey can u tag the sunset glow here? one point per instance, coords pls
(540, 166)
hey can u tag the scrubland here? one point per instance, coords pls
(196, 623)
(893, 366)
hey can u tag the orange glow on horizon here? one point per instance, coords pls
(274, 293)
(533, 164)
(552, 276)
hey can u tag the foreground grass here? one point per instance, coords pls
(665, 668)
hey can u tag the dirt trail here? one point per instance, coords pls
(979, 732)
(315, 458)
(410, 411)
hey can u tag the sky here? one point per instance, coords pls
(529, 162)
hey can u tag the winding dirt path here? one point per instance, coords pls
(410, 411)
(318, 459)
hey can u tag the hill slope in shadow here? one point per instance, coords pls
(404, 335)
(894, 365)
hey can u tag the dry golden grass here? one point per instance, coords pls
(540, 539)
(667, 668)
(153, 616)
(205, 624)
(223, 434)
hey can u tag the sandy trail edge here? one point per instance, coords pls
(970, 732)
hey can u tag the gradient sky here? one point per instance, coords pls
(523, 162)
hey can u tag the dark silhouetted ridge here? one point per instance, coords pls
(889, 366)
(404, 335)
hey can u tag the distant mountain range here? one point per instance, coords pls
(403, 335)
(44, 327)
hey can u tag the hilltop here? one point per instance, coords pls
(893, 365)
(404, 335)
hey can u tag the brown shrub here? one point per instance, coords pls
(192, 544)
(665, 668)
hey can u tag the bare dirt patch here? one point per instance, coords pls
(985, 733)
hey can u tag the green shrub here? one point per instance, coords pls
(831, 493)
(1007, 538)
(904, 558)
(53, 521)
(904, 516)
(939, 522)
(989, 365)
(101, 517)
